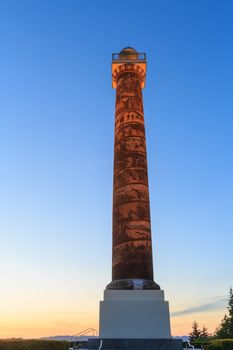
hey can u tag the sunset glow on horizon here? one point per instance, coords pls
(44, 324)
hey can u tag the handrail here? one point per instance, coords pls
(76, 337)
(84, 332)
(101, 344)
(189, 344)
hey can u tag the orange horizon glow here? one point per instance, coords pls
(36, 325)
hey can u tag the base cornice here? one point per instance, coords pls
(133, 284)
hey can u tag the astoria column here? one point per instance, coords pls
(132, 265)
(133, 313)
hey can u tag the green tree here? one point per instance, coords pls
(204, 332)
(196, 333)
(225, 330)
(199, 337)
(230, 304)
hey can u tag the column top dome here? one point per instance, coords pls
(128, 52)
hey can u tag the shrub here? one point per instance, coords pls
(220, 344)
(19, 344)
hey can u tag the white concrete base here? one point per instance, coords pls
(137, 314)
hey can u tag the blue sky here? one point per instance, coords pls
(56, 151)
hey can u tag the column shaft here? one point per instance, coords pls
(132, 250)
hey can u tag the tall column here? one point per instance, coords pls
(132, 265)
(133, 312)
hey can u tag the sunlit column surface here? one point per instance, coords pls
(132, 266)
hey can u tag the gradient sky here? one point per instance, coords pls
(56, 155)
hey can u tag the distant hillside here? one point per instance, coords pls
(68, 338)
(71, 338)
(85, 338)
(183, 337)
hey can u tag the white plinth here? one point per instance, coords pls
(137, 314)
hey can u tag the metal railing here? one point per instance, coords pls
(76, 341)
(88, 330)
(139, 56)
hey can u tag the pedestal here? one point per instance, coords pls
(134, 314)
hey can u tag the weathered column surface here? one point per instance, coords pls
(132, 266)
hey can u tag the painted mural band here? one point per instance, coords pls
(138, 260)
(132, 230)
(129, 117)
(131, 162)
(131, 193)
(131, 129)
(130, 176)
